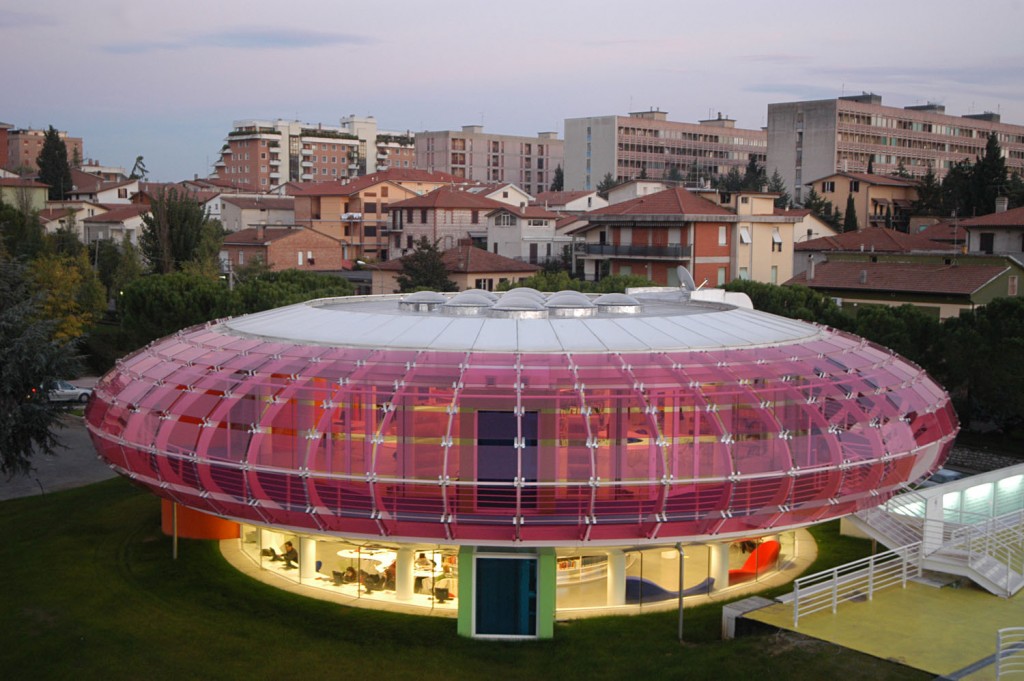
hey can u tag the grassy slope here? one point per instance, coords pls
(90, 591)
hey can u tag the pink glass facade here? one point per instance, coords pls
(546, 448)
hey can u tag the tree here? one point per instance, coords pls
(54, 168)
(30, 358)
(929, 194)
(732, 181)
(607, 183)
(754, 176)
(71, 293)
(850, 219)
(21, 232)
(558, 181)
(777, 185)
(643, 173)
(155, 306)
(263, 290)
(901, 170)
(674, 174)
(871, 165)
(424, 269)
(988, 178)
(177, 230)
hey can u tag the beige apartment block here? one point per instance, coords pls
(812, 139)
(24, 144)
(473, 154)
(646, 142)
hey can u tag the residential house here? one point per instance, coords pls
(86, 187)
(283, 248)
(23, 193)
(118, 222)
(872, 242)
(998, 232)
(879, 200)
(942, 285)
(468, 266)
(445, 217)
(239, 211)
(526, 233)
(810, 225)
(579, 201)
(504, 192)
(653, 234)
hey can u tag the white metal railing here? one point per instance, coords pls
(856, 580)
(1001, 539)
(1010, 652)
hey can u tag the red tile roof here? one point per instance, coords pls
(256, 202)
(876, 239)
(22, 182)
(675, 202)
(249, 236)
(466, 259)
(871, 178)
(449, 197)
(900, 277)
(946, 232)
(1007, 218)
(561, 198)
(536, 212)
(119, 213)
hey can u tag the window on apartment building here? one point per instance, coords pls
(855, 185)
(744, 199)
(122, 192)
(484, 284)
(241, 257)
(370, 207)
(323, 147)
(263, 169)
(776, 241)
(775, 274)
(723, 235)
(1011, 285)
(721, 276)
(828, 186)
(423, 215)
(301, 259)
(987, 242)
(323, 171)
(384, 192)
(408, 215)
(408, 241)
(334, 171)
(263, 155)
(474, 217)
(744, 235)
(744, 273)
(309, 257)
(334, 159)
(263, 181)
(369, 231)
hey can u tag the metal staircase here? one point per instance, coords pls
(987, 550)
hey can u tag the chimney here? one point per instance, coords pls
(810, 268)
(863, 276)
(1002, 203)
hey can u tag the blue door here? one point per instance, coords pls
(506, 596)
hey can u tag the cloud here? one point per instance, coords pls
(1007, 73)
(245, 39)
(776, 58)
(801, 91)
(11, 19)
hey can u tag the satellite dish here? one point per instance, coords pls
(685, 279)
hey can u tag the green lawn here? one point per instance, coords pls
(91, 592)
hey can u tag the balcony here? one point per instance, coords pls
(308, 176)
(307, 164)
(275, 161)
(274, 175)
(673, 251)
(352, 217)
(308, 152)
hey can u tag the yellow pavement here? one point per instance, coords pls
(942, 631)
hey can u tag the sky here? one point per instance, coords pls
(166, 80)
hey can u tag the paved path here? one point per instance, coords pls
(74, 466)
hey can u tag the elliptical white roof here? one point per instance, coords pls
(667, 321)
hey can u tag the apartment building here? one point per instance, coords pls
(24, 144)
(811, 139)
(878, 200)
(647, 143)
(445, 216)
(356, 211)
(258, 155)
(716, 237)
(282, 248)
(473, 154)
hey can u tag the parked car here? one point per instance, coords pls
(62, 391)
(940, 477)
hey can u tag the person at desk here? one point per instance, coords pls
(423, 563)
(349, 576)
(288, 554)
